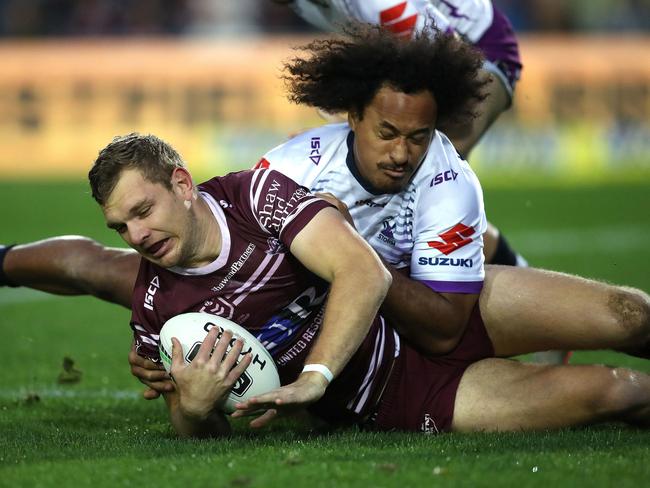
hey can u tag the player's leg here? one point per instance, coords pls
(72, 265)
(465, 136)
(498, 251)
(527, 310)
(504, 395)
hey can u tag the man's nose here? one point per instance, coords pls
(400, 153)
(138, 233)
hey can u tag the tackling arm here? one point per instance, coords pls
(74, 265)
(432, 322)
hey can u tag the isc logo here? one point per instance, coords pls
(314, 155)
(449, 175)
(154, 286)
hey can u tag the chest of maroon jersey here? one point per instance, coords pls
(257, 283)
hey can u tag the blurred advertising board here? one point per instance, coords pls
(581, 108)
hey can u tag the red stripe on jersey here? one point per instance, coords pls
(262, 163)
(404, 27)
(391, 14)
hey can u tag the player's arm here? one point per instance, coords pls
(431, 307)
(73, 265)
(203, 385)
(431, 321)
(330, 247)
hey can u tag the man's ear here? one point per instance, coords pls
(353, 119)
(182, 183)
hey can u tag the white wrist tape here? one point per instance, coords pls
(319, 368)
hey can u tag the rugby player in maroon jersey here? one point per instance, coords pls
(257, 248)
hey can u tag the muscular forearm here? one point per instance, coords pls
(352, 305)
(74, 265)
(187, 424)
(428, 320)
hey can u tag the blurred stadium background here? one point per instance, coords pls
(566, 174)
(204, 74)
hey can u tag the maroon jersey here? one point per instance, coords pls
(257, 283)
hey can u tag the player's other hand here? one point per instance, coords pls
(204, 384)
(307, 389)
(151, 374)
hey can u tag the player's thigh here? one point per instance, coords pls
(527, 310)
(504, 395)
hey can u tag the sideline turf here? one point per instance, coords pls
(97, 432)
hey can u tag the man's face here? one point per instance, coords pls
(152, 219)
(392, 138)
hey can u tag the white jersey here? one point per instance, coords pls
(470, 18)
(434, 226)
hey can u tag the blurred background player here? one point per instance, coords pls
(476, 21)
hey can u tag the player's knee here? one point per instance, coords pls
(631, 311)
(618, 391)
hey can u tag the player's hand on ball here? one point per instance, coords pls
(151, 374)
(204, 384)
(307, 389)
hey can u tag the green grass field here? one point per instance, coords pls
(99, 432)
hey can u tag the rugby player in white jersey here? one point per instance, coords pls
(288, 245)
(476, 21)
(519, 310)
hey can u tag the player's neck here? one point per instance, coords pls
(208, 235)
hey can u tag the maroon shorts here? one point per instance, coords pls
(421, 391)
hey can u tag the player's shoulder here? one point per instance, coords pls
(313, 148)
(238, 183)
(445, 178)
(441, 155)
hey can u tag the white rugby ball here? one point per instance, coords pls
(191, 328)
